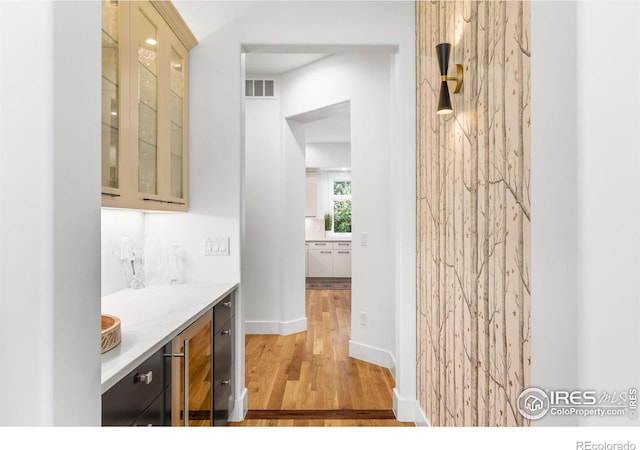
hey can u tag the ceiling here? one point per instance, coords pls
(329, 125)
(206, 17)
(278, 63)
(332, 130)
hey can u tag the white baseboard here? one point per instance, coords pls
(238, 407)
(409, 411)
(293, 326)
(274, 327)
(373, 355)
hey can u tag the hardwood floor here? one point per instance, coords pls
(308, 378)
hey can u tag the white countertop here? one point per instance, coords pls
(150, 317)
(329, 239)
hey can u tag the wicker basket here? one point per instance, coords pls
(110, 336)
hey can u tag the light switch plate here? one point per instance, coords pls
(364, 239)
(216, 246)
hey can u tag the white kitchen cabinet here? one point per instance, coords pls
(342, 263)
(312, 194)
(320, 263)
(329, 259)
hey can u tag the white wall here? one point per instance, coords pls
(216, 136)
(585, 199)
(328, 155)
(50, 203)
(554, 199)
(608, 199)
(292, 228)
(263, 206)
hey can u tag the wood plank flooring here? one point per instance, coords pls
(308, 378)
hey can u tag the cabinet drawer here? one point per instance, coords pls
(342, 245)
(320, 246)
(342, 263)
(221, 395)
(222, 353)
(222, 312)
(130, 397)
(158, 413)
(320, 263)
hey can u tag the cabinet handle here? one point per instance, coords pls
(325, 252)
(175, 355)
(344, 253)
(227, 304)
(169, 202)
(318, 244)
(225, 382)
(109, 194)
(145, 378)
(343, 245)
(225, 332)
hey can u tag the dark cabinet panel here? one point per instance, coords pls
(222, 353)
(131, 396)
(158, 413)
(221, 394)
(222, 312)
(222, 364)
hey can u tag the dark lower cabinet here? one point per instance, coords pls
(223, 314)
(158, 414)
(143, 396)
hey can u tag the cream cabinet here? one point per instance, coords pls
(329, 259)
(145, 60)
(320, 263)
(342, 263)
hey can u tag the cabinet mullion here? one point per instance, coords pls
(164, 126)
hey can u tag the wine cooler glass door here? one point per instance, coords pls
(191, 367)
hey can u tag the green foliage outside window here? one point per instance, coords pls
(342, 215)
(342, 188)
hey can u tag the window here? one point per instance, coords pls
(341, 199)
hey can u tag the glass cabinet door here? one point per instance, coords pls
(110, 92)
(191, 375)
(147, 104)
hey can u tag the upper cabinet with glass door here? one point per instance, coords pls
(145, 66)
(110, 96)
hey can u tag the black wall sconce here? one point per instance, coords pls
(444, 101)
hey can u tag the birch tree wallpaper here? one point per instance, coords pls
(473, 212)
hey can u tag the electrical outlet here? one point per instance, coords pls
(363, 318)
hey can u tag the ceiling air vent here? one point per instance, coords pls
(259, 88)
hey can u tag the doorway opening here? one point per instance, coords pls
(297, 170)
